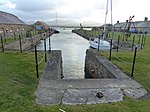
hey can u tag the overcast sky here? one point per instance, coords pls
(73, 12)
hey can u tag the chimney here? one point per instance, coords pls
(117, 22)
(146, 19)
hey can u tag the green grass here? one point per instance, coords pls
(18, 84)
(17, 81)
(142, 65)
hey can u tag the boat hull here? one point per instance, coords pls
(103, 45)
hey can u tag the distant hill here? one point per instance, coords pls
(7, 18)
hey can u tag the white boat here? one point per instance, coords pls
(100, 44)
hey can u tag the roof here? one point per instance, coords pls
(40, 23)
(107, 25)
(7, 18)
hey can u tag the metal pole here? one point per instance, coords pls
(110, 50)
(20, 44)
(36, 62)
(45, 49)
(49, 44)
(2, 43)
(118, 42)
(123, 38)
(139, 38)
(134, 61)
(133, 42)
(98, 43)
(14, 35)
(142, 41)
(6, 35)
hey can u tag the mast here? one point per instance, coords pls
(112, 28)
(56, 19)
(105, 19)
(111, 13)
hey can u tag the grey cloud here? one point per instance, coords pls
(101, 5)
(45, 10)
(35, 5)
(33, 10)
(1, 4)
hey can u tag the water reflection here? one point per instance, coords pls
(73, 49)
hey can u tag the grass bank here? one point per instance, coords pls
(18, 83)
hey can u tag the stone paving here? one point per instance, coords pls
(54, 90)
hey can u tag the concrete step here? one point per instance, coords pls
(83, 91)
(88, 83)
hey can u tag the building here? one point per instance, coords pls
(39, 25)
(137, 26)
(11, 25)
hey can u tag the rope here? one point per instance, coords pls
(121, 60)
(42, 58)
(125, 48)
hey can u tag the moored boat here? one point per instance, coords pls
(100, 44)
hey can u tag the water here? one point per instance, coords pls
(73, 49)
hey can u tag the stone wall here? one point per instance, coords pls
(97, 66)
(83, 34)
(27, 42)
(10, 30)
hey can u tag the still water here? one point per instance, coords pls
(73, 49)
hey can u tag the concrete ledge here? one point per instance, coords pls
(54, 90)
(53, 67)
(83, 91)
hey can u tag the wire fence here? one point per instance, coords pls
(136, 42)
(43, 58)
(33, 48)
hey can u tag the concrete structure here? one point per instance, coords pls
(83, 34)
(99, 67)
(54, 90)
(39, 25)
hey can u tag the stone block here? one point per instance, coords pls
(88, 96)
(135, 93)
